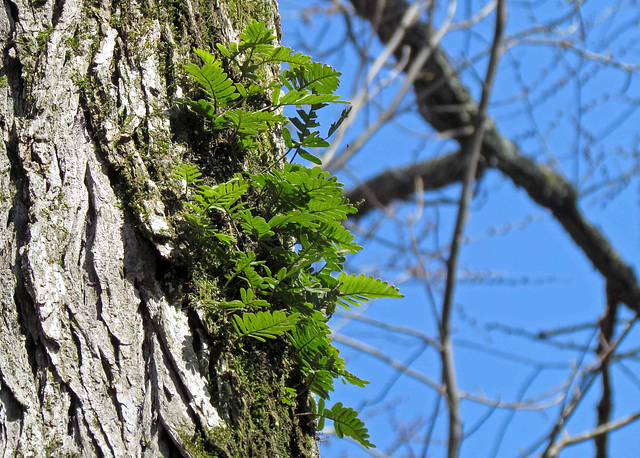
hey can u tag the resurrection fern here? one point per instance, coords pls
(277, 237)
(265, 324)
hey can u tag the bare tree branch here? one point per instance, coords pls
(472, 155)
(588, 435)
(395, 184)
(587, 378)
(439, 85)
(607, 328)
(541, 402)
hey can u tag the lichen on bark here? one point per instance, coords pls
(99, 354)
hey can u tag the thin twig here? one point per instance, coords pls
(528, 405)
(607, 327)
(411, 15)
(587, 435)
(474, 147)
(412, 73)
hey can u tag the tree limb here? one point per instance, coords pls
(587, 435)
(472, 157)
(439, 85)
(398, 184)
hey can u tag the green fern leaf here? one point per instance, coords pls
(254, 279)
(264, 325)
(207, 57)
(285, 55)
(244, 268)
(329, 209)
(248, 299)
(347, 423)
(338, 123)
(316, 77)
(247, 123)
(314, 140)
(256, 33)
(188, 173)
(301, 97)
(353, 289)
(226, 305)
(348, 377)
(293, 218)
(304, 154)
(203, 108)
(308, 338)
(223, 196)
(340, 237)
(319, 381)
(224, 50)
(255, 225)
(213, 80)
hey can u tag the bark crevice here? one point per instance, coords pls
(98, 339)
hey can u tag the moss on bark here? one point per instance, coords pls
(249, 384)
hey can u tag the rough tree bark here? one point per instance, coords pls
(97, 357)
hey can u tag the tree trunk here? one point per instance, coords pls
(99, 354)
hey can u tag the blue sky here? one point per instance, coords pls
(534, 276)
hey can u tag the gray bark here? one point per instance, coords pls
(95, 358)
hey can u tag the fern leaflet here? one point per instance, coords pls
(264, 325)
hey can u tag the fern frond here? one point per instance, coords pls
(319, 381)
(316, 77)
(295, 217)
(253, 278)
(213, 80)
(308, 338)
(255, 225)
(346, 423)
(207, 57)
(256, 33)
(188, 173)
(340, 237)
(248, 123)
(248, 299)
(348, 377)
(353, 289)
(285, 55)
(303, 97)
(222, 196)
(264, 325)
(203, 108)
(343, 116)
(329, 209)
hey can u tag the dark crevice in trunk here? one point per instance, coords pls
(196, 327)
(89, 239)
(96, 446)
(168, 362)
(167, 445)
(13, 13)
(13, 409)
(57, 12)
(75, 337)
(106, 368)
(61, 167)
(166, 48)
(19, 216)
(73, 427)
(12, 65)
(152, 382)
(150, 375)
(115, 343)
